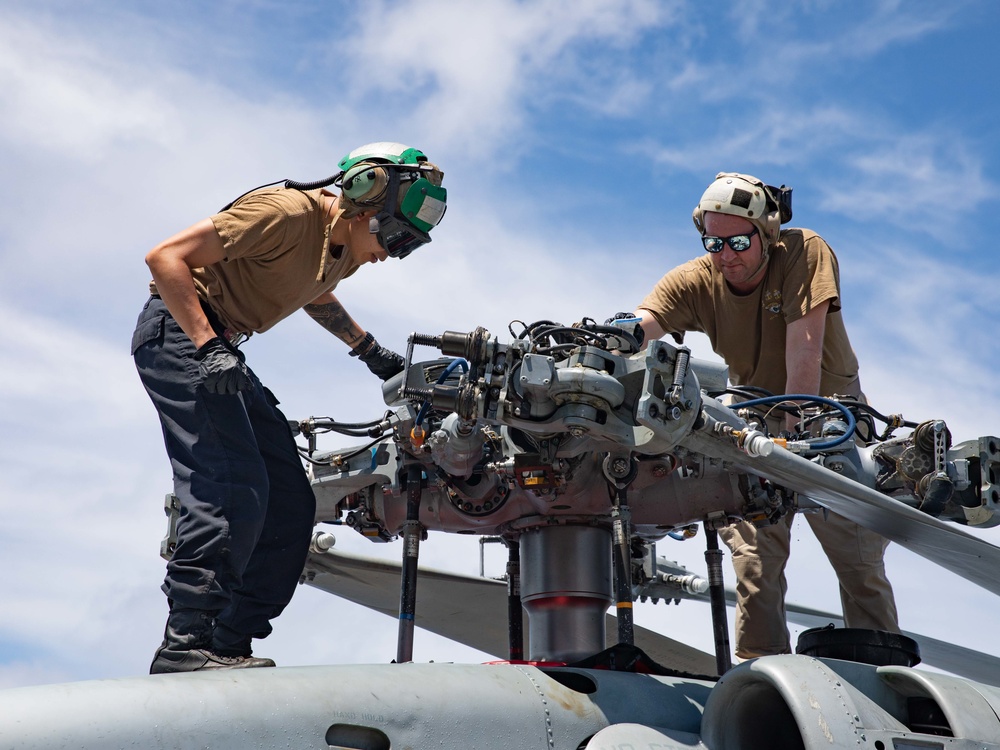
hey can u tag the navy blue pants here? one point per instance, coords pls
(247, 509)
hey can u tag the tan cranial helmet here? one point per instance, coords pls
(741, 195)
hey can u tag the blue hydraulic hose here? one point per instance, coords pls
(851, 421)
(458, 362)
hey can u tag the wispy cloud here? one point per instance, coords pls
(928, 180)
(473, 73)
(864, 167)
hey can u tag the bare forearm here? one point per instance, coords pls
(171, 262)
(330, 314)
(650, 326)
(175, 285)
(804, 379)
(804, 354)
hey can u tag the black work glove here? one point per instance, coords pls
(383, 363)
(222, 371)
(635, 330)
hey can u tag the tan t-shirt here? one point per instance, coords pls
(278, 258)
(748, 332)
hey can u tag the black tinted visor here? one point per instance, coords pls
(399, 237)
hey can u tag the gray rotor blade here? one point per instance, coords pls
(949, 547)
(467, 609)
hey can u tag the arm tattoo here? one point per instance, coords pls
(334, 318)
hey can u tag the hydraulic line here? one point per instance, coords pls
(851, 422)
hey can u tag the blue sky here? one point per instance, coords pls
(576, 136)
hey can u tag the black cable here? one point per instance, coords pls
(526, 330)
(362, 449)
(304, 454)
(881, 417)
(342, 457)
(331, 422)
(315, 184)
(556, 348)
(588, 333)
(252, 190)
(744, 391)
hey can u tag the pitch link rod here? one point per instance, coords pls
(717, 596)
(622, 560)
(515, 612)
(411, 553)
(620, 470)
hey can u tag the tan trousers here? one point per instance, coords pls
(759, 558)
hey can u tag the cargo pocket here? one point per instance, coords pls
(148, 330)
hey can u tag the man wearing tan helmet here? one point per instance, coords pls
(246, 508)
(769, 301)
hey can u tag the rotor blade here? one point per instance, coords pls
(949, 547)
(467, 609)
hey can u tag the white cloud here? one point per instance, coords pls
(776, 136)
(471, 74)
(920, 327)
(866, 168)
(69, 99)
(927, 181)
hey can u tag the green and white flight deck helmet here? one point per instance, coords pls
(402, 185)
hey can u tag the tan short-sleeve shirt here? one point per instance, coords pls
(748, 331)
(278, 258)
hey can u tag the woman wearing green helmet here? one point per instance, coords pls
(245, 505)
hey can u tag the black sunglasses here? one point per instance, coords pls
(738, 242)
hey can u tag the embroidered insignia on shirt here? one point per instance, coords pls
(772, 301)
